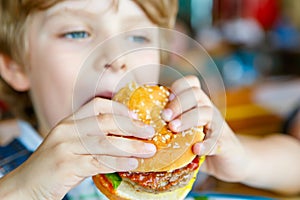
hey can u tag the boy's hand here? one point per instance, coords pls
(226, 159)
(83, 145)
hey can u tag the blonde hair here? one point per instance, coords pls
(14, 15)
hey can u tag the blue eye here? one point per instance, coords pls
(139, 39)
(76, 35)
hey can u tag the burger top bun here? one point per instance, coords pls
(174, 150)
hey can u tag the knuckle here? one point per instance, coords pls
(60, 148)
(197, 93)
(134, 148)
(193, 79)
(97, 101)
(60, 131)
(104, 118)
(201, 97)
(96, 165)
(210, 112)
(101, 104)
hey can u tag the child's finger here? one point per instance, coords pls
(89, 165)
(103, 134)
(185, 83)
(116, 163)
(207, 147)
(100, 105)
(115, 146)
(105, 124)
(188, 99)
(212, 143)
(199, 116)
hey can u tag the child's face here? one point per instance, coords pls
(62, 37)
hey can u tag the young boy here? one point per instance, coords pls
(43, 45)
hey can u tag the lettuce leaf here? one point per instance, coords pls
(114, 179)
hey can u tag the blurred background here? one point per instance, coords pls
(255, 45)
(259, 37)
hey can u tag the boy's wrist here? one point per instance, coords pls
(249, 158)
(12, 187)
(9, 189)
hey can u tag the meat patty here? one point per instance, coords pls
(156, 182)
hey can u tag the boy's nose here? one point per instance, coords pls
(113, 56)
(108, 62)
(116, 66)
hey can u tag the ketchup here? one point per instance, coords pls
(194, 164)
(106, 183)
(161, 181)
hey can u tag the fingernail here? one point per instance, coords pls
(171, 97)
(197, 149)
(133, 115)
(133, 163)
(150, 147)
(202, 149)
(150, 131)
(167, 114)
(175, 125)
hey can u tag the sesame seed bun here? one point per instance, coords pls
(174, 150)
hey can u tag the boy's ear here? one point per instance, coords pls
(13, 74)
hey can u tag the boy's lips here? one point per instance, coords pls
(104, 95)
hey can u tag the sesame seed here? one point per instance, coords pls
(157, 102)
(176, 145)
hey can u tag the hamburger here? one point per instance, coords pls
(171, 172)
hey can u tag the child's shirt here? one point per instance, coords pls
(17, 151)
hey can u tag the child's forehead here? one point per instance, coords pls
(94, 7)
